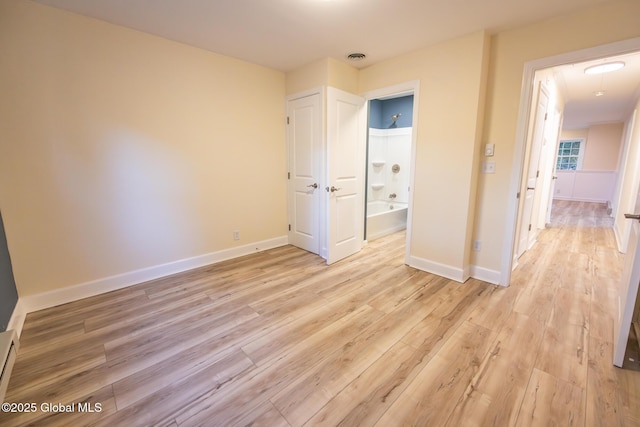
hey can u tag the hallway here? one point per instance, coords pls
(568, 282)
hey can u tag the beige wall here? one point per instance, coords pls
(603, 147)
(120, 150)
(452, 81)
(510, 50)
(574, 133)
(324, 72)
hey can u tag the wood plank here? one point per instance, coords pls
(365, 398)
(551, 401)
(602, 407)
(432, 395)
(304, 396)
(494, 395)
(267, 380)
(563, 353)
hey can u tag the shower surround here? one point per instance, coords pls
(388, 171)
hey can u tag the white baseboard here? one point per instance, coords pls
(486, 275)
(55, 297)
(453, 273)
(618, 237)
(580, 199)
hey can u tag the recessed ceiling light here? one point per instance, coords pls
(604, 68)
(356, 56)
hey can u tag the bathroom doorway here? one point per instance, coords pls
(389, 163)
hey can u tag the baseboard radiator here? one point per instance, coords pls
(8, 351)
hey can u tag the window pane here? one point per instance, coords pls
(576, 144)
(566, 152)
(575, 151)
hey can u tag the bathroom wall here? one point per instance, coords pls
(380, 112)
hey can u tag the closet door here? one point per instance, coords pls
(346, 125)
(304, 118)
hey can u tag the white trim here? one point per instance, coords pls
(319, 90)
(526, 93)
(622, 249)
(447, 271)
(16, 322)
(486, 275)
(403, 89)
(390, 132)
(55, 297)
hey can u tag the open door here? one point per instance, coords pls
(552, 186)
(527, 235)
(346, 123)
(628, 290)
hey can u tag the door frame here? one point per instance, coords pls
(526, 95)
(402, 89)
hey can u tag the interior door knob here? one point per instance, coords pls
(531, 188)
(314, 185)
(632, 216)
(332, 189)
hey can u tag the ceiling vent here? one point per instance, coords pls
(356, 56)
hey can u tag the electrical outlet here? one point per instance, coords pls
(236, 235)
(477, 245)
(488, 167)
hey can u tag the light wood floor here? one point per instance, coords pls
(280, 339)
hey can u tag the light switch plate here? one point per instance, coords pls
(489, 149)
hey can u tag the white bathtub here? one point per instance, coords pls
(385, 218)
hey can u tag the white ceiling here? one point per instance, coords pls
(286, 34)
(621, 90)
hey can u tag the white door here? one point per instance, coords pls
(345, 173)
(554, 177)
(526, 236)
(628, 290)
(305, 145)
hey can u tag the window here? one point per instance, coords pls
(570, 153)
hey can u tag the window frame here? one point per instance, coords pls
(580, 155)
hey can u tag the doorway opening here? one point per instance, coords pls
(525, 127)
(390, 161)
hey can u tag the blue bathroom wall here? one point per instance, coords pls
(8, 292)
(380, 112)
(375, 114)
